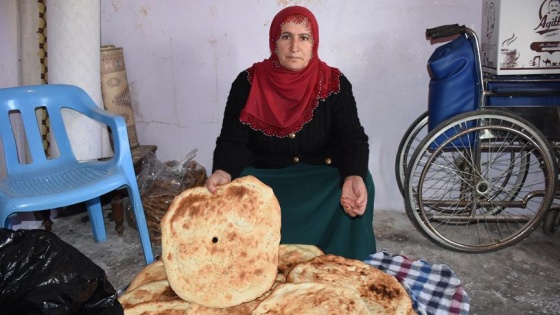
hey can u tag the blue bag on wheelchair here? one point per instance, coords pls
(454, 86)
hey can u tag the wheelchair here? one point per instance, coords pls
(481, 176)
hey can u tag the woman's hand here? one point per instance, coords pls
(218, 178)
(354, 196)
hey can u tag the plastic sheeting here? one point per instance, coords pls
(41, 274)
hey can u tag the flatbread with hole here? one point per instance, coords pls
(381, 292)
(290, 255)
(152, 272)
(241, 309)
(312, 299)
(221, 250)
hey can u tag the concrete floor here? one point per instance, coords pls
(523, 279)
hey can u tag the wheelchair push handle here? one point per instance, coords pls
(445, 31)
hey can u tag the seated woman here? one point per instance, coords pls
(292, 122)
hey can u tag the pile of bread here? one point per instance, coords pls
(221, 254)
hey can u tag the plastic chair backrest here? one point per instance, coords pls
(25, 103)
(45, 182)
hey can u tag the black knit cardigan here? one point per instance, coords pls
(333, 137)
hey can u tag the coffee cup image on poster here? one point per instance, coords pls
(520, 36)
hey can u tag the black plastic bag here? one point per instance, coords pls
(42, 274)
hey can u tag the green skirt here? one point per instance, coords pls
(309, 196)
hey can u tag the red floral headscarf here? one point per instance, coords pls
(281, 101)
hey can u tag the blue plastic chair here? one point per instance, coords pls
(53, 182)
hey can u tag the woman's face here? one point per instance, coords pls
(294, 48)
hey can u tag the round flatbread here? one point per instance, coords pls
(221, 250)
(290, 255)
(148, 292)
(381, 292)
(241, 309)
(311, 299)
(150, 273)
(174, 307)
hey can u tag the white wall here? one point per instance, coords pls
(181, 57)
(9, 47)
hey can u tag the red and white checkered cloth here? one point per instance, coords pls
(433, 288)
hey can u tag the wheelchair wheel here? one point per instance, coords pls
(551, 220)
(410, 140)
(480, 181)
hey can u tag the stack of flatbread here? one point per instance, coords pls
(221, 255)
